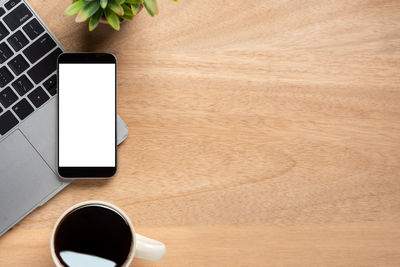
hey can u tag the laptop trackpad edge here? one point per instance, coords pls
(25, 179)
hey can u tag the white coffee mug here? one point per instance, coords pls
(141, 247)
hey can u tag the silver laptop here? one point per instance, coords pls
(28, 111)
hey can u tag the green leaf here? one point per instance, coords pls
(151, 7)
(116, 7)
(128, 14)
(127, 10)
(121, 2)
(136, 2)
(87, 11)
(95, 19)
(103, 3)
(126, 17)
(112, 18)
(74, 8)
(135, 8)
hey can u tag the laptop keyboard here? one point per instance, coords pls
(28, 58)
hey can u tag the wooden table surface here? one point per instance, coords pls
(261, 133)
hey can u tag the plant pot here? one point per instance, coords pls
(104, 21)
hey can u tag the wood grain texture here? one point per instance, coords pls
(261, 133)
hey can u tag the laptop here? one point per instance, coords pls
(28, 111)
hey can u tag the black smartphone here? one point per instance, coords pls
(87, 110)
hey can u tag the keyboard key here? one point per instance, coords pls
(8, 97)
(18, 64)
(38, 97)
(22, 109)
(39, 48)
(18, 41)
(3, 31)
(45, 67)
(5, 53)
(12, 3)
(7, 122)
(22, 85)
(52, 90)
(5, 77)
(33, 29)
(51, 85)
(17, 17)
(2, 11)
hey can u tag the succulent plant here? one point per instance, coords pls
(114, 11)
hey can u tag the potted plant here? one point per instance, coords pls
(111, 12)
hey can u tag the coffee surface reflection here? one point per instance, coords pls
(93, 235)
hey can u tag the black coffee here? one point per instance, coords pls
(93, 235)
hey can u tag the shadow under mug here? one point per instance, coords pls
(141, 246)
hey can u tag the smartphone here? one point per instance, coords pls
(87, 110)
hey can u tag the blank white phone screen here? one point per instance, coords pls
(87, 115)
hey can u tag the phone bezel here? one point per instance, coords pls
(87, 172)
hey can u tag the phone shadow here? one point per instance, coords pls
(83, 183)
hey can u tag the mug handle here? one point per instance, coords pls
(149, 249)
